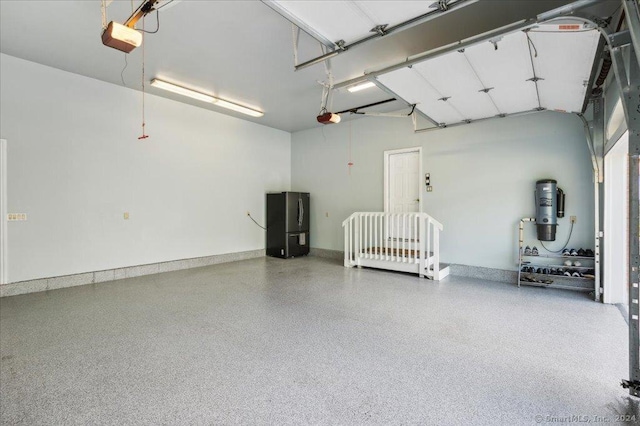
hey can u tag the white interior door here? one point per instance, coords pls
(402, 192)
(404, 172)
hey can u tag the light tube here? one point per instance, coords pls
(182, 90)
(238, 108)
(160, 84)
(360, 87)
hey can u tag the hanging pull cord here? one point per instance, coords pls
(103, 11)
(144, 136)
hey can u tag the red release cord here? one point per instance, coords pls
(144, 136)
(350, 163)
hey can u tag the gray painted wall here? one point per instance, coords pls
(483, 177)
(75, 166)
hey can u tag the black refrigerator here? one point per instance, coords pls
(288, 224)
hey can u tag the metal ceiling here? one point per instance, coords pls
(237, 50)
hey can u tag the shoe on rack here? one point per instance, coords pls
(568, 263)
(534, 251)
(567, 274)
(588, 253)
(553, 271)
(527, 251)
(576, 274)
(581, 252)
(573, 252)
(566, 252)
(577, 263)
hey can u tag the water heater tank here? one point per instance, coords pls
(546, 209)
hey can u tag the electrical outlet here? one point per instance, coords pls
(429, 188)
(573, 219)
(126, 215)
(13, 217)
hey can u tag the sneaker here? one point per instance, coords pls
(573, 252)
(545, 271)
(554, 271)
(534, 251)
(588, 253)
(566, 252)
(582, 253)
(567, 274)
(567, 263)
(527, 251)
(577, 263)
(576, 274)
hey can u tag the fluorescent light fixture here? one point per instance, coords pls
(361, 86)
(160, 84)
(182, 91)
(238, 108)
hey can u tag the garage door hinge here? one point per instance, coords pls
(634, 386)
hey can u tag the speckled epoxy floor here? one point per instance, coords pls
(306, 341)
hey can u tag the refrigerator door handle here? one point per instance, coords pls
(300, 212)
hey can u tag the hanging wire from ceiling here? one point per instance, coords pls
(144, 135)
(350, 162)
(157, 24)
(535, 78)
(532, 45)
(126, 64)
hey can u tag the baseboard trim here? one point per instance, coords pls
(53, 283)
(480, 272)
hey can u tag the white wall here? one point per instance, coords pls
(483, 177)
(75, 166)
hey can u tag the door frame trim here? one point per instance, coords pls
(388, 154)
(615, 291)
(3, 213)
